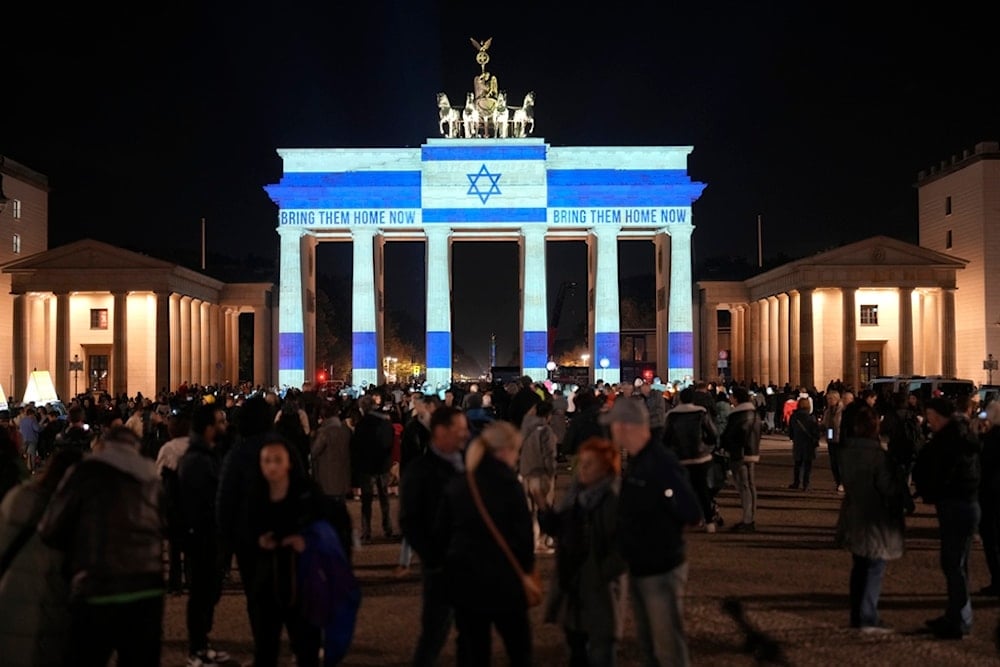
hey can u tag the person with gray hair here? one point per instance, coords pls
(656, 503)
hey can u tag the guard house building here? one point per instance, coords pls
(485, 188)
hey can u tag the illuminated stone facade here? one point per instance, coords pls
(454, 189)
(959, 213)
(876, 307)
(136, 323)
(24, 230)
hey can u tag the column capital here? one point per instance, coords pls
(604, 231)
(679, 230)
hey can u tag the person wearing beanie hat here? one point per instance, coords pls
(655, 505)
(946, 475)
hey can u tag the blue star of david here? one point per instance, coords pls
(474, 184)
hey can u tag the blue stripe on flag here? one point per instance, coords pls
(438, 349)
(535, 344)
(680, 346)
(607, 346)
(364, 350)
(485, 214)
(474, 153)
(291, 351)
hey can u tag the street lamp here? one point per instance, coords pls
(604, 365)
(585, 358)
(551, 366)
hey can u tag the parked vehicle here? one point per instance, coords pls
(924, 386)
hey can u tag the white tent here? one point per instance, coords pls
(40, 389)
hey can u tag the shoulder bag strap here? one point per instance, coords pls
(488, 520)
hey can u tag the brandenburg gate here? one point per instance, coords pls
(485, 179)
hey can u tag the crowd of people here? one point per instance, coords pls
(237, 481)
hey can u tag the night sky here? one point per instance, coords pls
(147, 121)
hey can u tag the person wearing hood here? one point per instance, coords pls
(106, 518)
(741, 440)
(690, 433)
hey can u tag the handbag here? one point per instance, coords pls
(531, 581)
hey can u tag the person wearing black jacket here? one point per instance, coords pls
(198, 482)
(655, 505)
(690, 434)
(371, 458)
(483, 585)
(947, 474)
(106, 517)
(421, 490)
(803, 430)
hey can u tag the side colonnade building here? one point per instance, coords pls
(880, 306)
(99, 317)
(484, 189)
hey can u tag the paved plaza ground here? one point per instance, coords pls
(784, 586)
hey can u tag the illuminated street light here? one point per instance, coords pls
(551, 366)
(604, 365)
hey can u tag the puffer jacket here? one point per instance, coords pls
(741, 439)
(870, 523)
(690, 433)
(34, 595)
(106, 518)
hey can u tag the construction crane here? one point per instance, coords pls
(565, 287)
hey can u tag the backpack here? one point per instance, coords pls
(329, 592)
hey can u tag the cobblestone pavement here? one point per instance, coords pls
(780, 591)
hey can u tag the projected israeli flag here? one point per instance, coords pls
(471, 181)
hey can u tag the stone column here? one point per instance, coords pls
(807, 353)
(61, 375)
(709, 339)
(438, 304)
(906, 331)
(734, 342)
(661, 245)
(196, 341)
(206, 343)
(291, 311)
(262, 346)
(364, 333)
(680, 335)
(607, 323)
(783, 369)
(773, 347)
(175, 342)
(234, 344)
(534, 310)
(185, 310)
(162, 359)
(19, 347)
(119, 344)
(949, 367)
(227, 334)
(215, 336)
(850, 349)
(794, 338)
(753, 348)
(764, 340)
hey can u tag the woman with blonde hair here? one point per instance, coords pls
(485, 589)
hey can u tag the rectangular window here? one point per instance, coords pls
(869, 315)
(98, 318)
(947, 239)
(947, 205)
(17, 244)
(15, 208)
